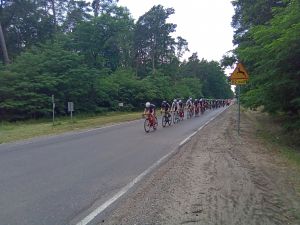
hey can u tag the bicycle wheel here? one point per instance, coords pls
(177, 117)
(174, 117)
(169, 119)
(147, 125)
(164, 121)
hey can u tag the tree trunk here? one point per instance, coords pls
(54, 13)
(3, 47)
(153, 55)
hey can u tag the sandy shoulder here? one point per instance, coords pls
(217, 178)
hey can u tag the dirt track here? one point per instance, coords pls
(217, 178)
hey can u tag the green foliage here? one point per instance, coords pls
(96, 62)
(37, 74)
(104, 41)
(272, 58)
(153, 43)
(214, 82)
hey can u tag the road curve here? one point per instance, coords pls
(61, 179)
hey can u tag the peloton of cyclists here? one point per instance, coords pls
(178, 105)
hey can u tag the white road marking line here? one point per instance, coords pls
(184, 141)
(200, 128)
(125, 189)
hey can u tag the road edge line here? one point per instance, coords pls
(123, 191)
(186, 140)
(87, 219)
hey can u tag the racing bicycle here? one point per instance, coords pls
(166, 119)
(150, 122)
(176, 117)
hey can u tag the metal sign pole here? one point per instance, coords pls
(239, 77)
(53, 107)
(71, 109)
(239, 110)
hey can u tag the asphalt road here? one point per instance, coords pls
(59, 180)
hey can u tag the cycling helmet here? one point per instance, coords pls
(147, 104)
(196, 100)
(179, 101)
(164, 102)
(175, 100)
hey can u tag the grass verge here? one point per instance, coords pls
(271, 130)
(10, 132)
(275, 138)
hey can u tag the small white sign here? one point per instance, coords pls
(121, 104)
(70, 106)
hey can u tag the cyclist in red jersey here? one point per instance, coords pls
(150, 109)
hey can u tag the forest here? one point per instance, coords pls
(95, 55)
(267, 40)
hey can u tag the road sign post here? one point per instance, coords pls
(53, 109)
(239, 108)
(239, 77)
(71, 109)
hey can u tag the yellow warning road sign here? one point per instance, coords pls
(239, 75)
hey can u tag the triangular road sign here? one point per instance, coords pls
(239, 73)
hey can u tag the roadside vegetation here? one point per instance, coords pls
(96, 56)
(267, 39)
(21, 130)
(271, 130)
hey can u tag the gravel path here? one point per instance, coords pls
(216, 178)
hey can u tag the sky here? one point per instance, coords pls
(205, 24)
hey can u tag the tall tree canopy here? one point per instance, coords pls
(57, 47)
(153, 43)
(271, 53)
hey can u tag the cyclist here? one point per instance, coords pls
(189, 103)
(150, 110)
(165, 107)
(196, 106)
(174, 106)
(205, 102)
(201, 104)
(181, 109)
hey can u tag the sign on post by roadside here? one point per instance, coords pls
(53, 108)
(71, 108)
(239, 77)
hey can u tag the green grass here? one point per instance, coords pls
(277, 139)
(10, 132)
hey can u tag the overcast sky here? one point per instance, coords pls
(205, 24)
